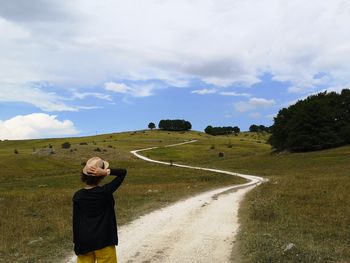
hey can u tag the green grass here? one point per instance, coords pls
(36, 191)
(306, 201)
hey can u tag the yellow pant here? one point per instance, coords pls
(103, 255)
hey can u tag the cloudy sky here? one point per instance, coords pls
(86, 66)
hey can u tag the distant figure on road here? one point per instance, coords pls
(94, 222)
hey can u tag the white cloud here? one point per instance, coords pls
(255, 115)
(234, 94)
(46, 101)
(36, 125)
(89, 42)
(336, 89)
(271, 116)
(144, 90)
(83, 95)
(204, 91)
(252, 104)
(117, 87)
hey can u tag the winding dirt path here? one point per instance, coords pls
(199, 229)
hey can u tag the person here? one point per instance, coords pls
(94, 222)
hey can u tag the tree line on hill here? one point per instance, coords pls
(318, 122)
(183, 125)
(172, 125)
(259, 128)
(221, 130)
(234, 130)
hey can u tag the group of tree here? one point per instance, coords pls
(175, 125)
(259, 128)
(221, 130)
(318, 122)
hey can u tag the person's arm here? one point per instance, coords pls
(116, 182)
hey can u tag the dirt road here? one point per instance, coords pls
(199, 229)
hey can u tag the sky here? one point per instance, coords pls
(85, 67)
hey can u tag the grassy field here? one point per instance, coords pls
(304, 205)
(301, 215)
(36, 190)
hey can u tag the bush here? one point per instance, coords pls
(66, 145)
(83, 143)
(97, 149)
(15, 151)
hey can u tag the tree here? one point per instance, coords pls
(259, 128)
(221, 130)
(151, 125)
(318, 122)
(236, 129)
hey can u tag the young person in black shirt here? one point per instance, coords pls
(94, 222)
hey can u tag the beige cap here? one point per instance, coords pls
(95, 162)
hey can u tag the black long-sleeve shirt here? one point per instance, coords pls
(94, 221)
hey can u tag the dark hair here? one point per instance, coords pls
(91, 180)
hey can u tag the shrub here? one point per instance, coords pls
(97, 149)
(15, 151)
(66, 145)
(83, 143)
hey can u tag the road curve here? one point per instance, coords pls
(198, 229)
